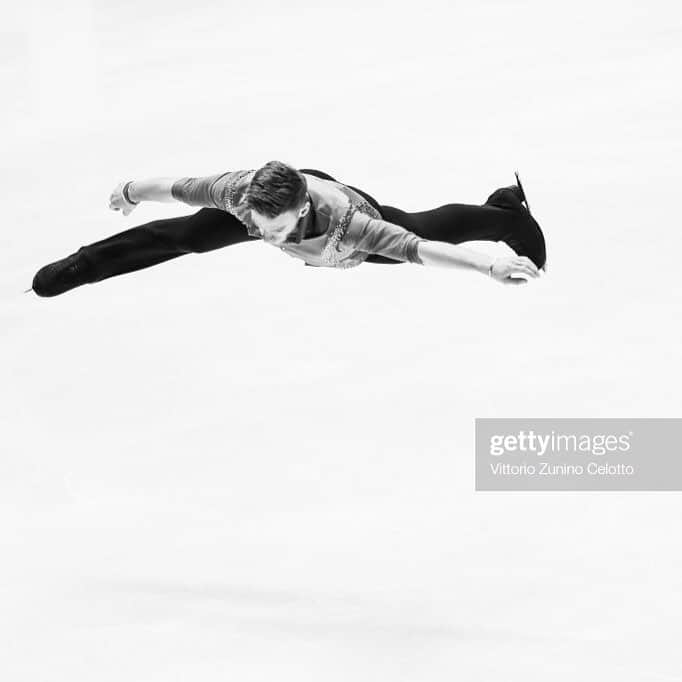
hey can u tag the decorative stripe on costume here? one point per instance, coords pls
(231, 188)
(330, 254)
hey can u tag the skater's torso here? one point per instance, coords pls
(327, 236)
(320, 231)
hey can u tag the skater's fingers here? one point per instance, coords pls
(530, 271)
(521, 265)
(524, 260)
(520, 260)
(515, 280)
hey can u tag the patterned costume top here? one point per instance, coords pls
(348, 227)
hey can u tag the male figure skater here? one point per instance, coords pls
(308, 215)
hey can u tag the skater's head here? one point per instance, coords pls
(278, 197)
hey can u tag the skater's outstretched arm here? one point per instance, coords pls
(393, 241)
(458, 256)
(194, 191)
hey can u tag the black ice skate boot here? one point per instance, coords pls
(62, 275)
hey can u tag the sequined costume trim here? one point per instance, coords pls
(360, 203)
(232, 187)
(330, 253)
(357, 204)
(235, 184)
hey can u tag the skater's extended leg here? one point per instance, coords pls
(141, 247)
(159, 241)
(501, 218)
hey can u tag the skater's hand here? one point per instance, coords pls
(117, 202)
(514, 269)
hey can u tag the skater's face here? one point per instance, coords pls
(276, 230)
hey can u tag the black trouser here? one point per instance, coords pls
(501, 218)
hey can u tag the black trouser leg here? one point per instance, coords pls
(499, 219)
(502, 218)
(160, 240)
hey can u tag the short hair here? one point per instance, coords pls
(275, 189)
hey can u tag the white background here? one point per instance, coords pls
(231, 466)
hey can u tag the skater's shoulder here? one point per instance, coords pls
(326, 195)
(231, 186)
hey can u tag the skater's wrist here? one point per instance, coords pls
(483, 263)
(150, 189)
(128, 193)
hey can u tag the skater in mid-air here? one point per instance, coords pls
(309, 215)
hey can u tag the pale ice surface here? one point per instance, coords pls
(231, 466)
